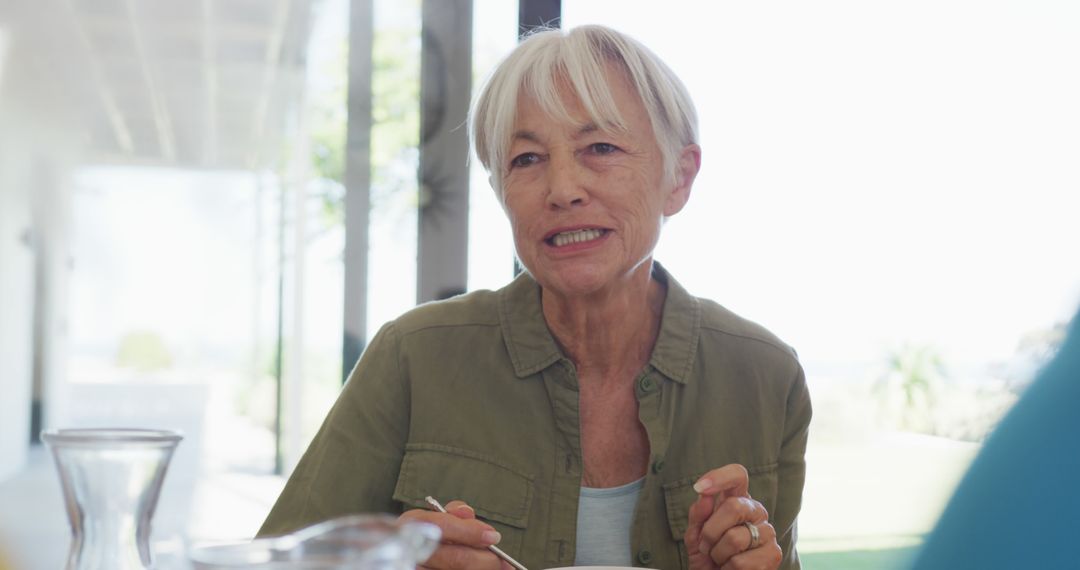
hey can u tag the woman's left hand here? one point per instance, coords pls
(718, 535)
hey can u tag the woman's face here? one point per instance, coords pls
(586, 205)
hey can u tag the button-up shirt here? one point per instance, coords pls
(471, 399)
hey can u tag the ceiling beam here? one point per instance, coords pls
(225, 30)
(272, 57)
(166, 136)
(119, 126)
(210, 75)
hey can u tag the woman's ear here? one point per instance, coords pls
(687, 167)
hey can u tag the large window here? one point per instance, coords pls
(491, 246)
(890, 188)
(172, 325)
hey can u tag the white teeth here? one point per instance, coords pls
(577, 236)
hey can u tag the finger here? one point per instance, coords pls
(732, 513)
(467, 532)
(699, 513)
(458, 557)
(735, 541)
(738, 539)
(730, 480)
(766, 556)
(460, 509)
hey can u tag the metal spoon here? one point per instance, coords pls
(438, 507)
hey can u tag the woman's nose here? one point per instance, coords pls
(566, 186)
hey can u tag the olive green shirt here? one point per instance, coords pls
(472, 399)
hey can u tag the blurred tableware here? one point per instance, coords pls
(357, 542)
(111, 480)
(597, 568)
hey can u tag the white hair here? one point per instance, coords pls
(550, 58)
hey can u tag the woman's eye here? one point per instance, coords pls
(602, 148)
(524, 159)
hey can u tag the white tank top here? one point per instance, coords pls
(603, 525)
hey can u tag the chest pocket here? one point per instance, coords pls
(500, 494)
(680, 494)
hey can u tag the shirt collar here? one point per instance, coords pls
(532, 348)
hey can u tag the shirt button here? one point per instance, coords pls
(647, 385)
(658, 465)
(644, 557)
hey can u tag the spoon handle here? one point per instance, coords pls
(438, 507)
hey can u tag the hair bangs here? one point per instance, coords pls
(553, 67)
(578, 74)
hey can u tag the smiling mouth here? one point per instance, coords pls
(577, 236)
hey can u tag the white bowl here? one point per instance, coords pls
(597, 568)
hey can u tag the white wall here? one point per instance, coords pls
(16, 309)
(38, 145)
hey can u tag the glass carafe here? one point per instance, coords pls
(111, 480)
(357, 542)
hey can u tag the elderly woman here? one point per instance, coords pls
(592, 411)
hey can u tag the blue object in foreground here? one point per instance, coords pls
(1019, 503)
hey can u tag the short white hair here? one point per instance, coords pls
(550, 58)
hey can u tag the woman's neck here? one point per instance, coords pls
(612, 330)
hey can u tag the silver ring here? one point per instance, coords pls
(755, 536)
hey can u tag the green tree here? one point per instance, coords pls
(910, 386)
(395, 131)
(143, 351)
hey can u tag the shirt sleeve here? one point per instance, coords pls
(353, 462)
(792, 474)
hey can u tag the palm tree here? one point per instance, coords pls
(910, 386)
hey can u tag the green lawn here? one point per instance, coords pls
(870, 500)
(882, 559)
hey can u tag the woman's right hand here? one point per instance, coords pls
(464, 539)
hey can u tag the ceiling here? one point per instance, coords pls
(182, 83)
